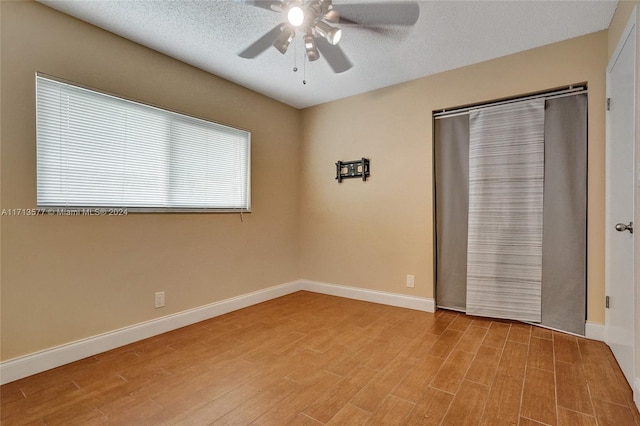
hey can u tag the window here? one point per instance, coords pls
(98, 150)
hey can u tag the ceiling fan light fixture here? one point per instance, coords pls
(284, 39)
(331, 33)
(332, 16)
(310, 47)
(295, 15)
(336, 36)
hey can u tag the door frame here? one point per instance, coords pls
(631, 26)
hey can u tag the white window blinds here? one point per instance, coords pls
(97, 150)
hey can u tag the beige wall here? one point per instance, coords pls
(618, 23)
(66, 278)
(373, 234)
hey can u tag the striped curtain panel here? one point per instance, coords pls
(506, 181)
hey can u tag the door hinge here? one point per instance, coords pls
(608, 104)
(606, 302)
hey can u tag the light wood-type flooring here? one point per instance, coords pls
(312, 359)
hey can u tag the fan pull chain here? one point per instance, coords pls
(304, 63)
(295, 57)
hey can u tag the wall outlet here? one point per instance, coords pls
(160, 299)
(411, 281)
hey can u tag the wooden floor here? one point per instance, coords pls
(312, 359)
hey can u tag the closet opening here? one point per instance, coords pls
(510, 197)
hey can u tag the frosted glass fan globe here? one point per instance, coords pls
(295, 16)
(336, 37)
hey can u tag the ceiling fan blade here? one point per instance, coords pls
(372, 14)
(334, 55)
(262, 44)
(263, 4)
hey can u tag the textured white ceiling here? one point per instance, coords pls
(448, 35)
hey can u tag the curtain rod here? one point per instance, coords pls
(570, 91)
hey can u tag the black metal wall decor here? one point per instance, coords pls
(352, 169)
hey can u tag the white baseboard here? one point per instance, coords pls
(375, 296)
(594, 331)
(37, 362)
(47, 359)
(636, 393)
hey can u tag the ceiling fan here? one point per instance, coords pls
(319, 22)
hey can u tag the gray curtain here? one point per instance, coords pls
(563, 304)
(564, 247)
(452, 203)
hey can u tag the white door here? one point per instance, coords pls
(619, 319)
